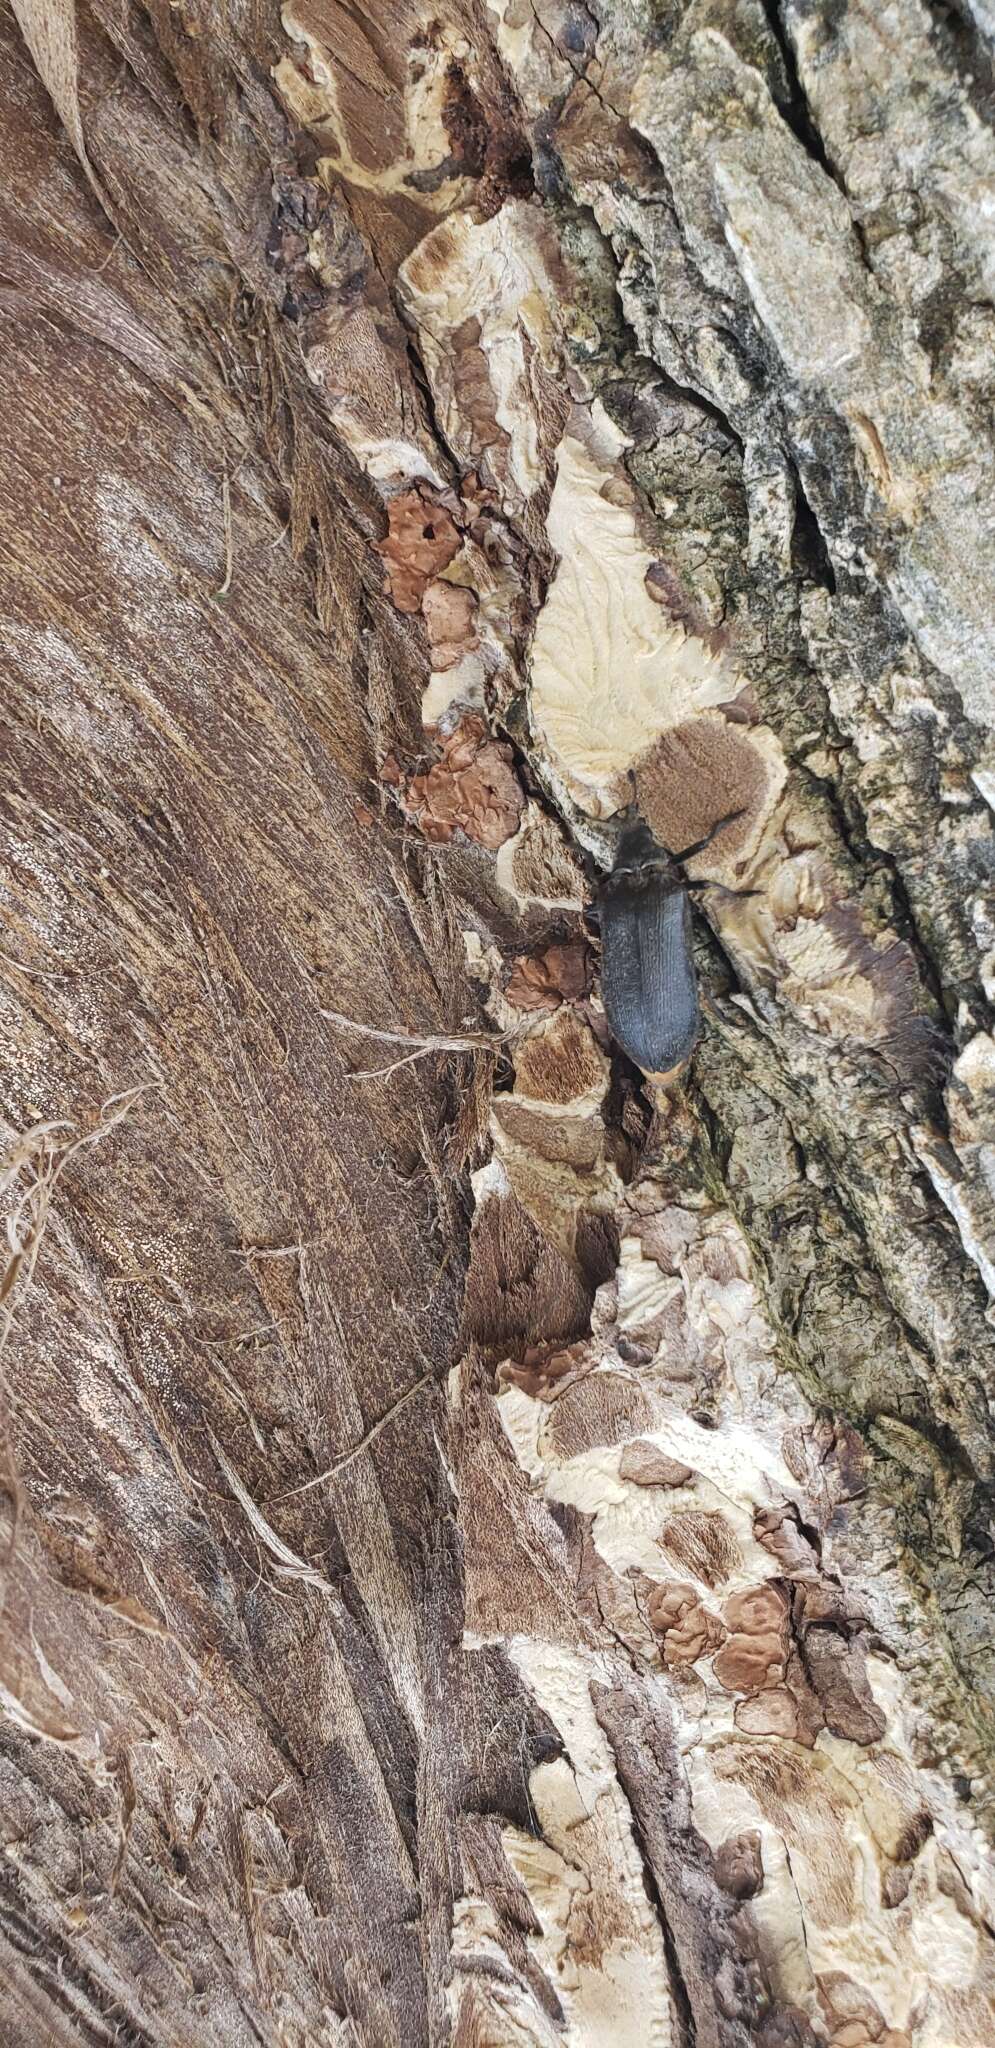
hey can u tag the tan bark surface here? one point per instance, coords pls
(497, 1550)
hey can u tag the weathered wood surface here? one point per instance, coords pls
(495, 1552)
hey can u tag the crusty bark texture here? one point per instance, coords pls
(497, 1549)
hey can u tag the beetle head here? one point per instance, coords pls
(638, 856)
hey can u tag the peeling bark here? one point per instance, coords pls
(497, 1546)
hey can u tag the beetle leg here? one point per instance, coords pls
(700, 844)
(721, 887)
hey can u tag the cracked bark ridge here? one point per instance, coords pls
(712, 1963)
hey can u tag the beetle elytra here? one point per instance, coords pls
(648, 981)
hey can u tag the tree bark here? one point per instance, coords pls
(498, 1546)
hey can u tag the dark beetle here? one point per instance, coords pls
(648, 982)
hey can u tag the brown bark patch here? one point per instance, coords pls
(473, 788)
(473, 391)
(790, 1710)
(421, 540)
(771, 1712)
(450, 613)
(704, 1544)
(542, 1373)
(542, 981)
(687, 1628)
(756, 1650)
(574, 1141)
(778, 1531)
(836, 1670)
(854, 2018)
(597, 1412)
(700, 772)
(739, 1865)
(560, 1064)
(645, 1465)
(538, 866)
(520, 1292)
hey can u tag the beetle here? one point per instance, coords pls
(648, 983)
